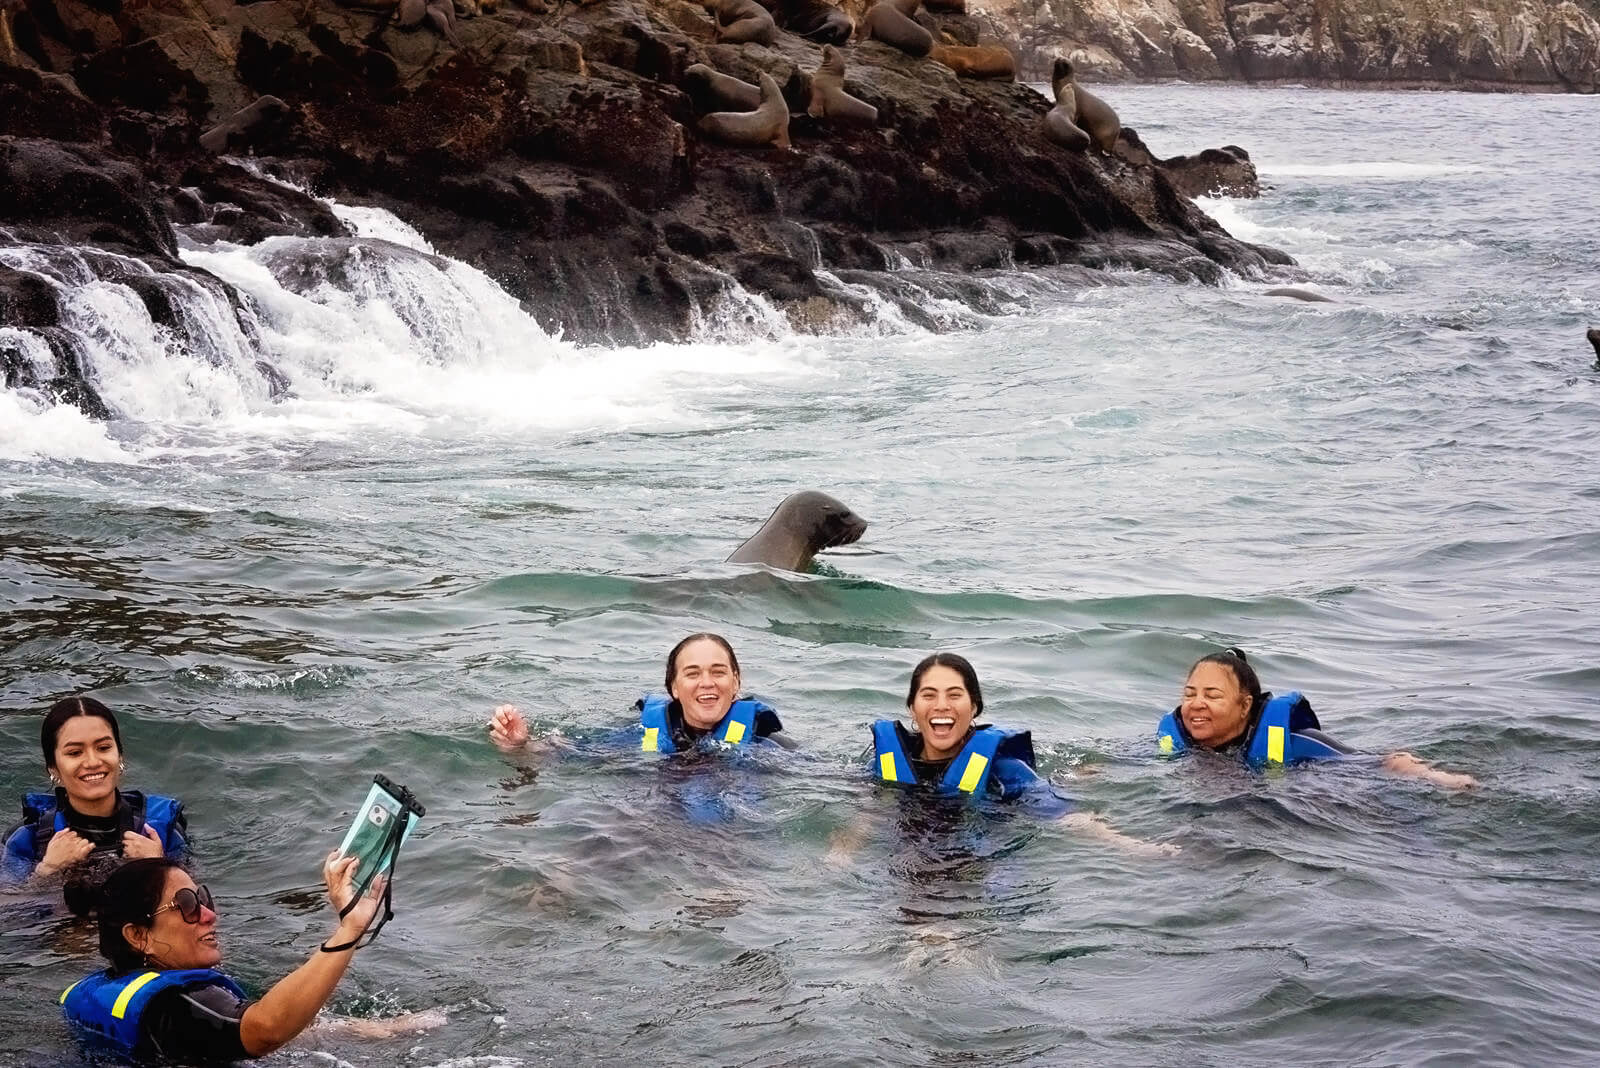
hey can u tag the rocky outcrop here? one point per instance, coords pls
(1472, 44)
(557, 152)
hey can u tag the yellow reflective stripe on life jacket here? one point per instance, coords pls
(67, 991)
(734, 732)
(1275, 739)
(1166, 743)
(974, 772)
(886, 767)
(121, 1005)
(650, 739)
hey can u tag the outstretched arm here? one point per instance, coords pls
(1404, 763)
(1087, 823)
(294, 1001)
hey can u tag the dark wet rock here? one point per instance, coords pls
(1226, 171)
(27, 299)
(56, 189)
(561, 156)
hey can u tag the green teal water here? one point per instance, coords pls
(1390, 502)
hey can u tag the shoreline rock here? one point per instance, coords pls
(559, 155)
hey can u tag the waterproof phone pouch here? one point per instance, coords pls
(383, 821)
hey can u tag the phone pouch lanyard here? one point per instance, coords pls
(391, 850)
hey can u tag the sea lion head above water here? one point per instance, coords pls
(802, 526)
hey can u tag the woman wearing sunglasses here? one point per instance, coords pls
(162, 996)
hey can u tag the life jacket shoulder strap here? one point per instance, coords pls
(1169, 735)
(653, 717)
(889, 756)
(739, 725)
(1270, 743)
(969, 771)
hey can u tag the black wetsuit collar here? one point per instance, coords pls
(104, 832)
(928, 772)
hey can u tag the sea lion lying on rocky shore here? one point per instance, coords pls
(890, 21)
(767, 124)
(716, 91)
(742, 21)
(815, 20)
(977, 61)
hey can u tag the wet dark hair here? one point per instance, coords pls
(672, 657)
(66, 709)
(131, 894)
(957, 663)
(1233, 659)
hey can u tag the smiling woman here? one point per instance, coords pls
(701, 705)
(162, 996)
(88, 822)
(952, 755)
(1225, 710)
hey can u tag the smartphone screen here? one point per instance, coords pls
(369, 834)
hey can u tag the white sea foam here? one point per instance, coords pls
(1371, 170)
(392, 341)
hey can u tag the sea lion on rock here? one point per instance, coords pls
(1093, 115)
(828, 98)
(742, 21)
(977, 61)
(767, 124)
(1296, 293)
(723, 92)
(889, 22)
(803, 525)
(815, 20)
(244, 123)
(1058, 124)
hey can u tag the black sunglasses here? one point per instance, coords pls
(188, 903)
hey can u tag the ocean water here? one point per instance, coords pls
(1390, 501)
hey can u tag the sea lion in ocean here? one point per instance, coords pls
(1093, 115)
(1058, 124)
(1594, 339)
(803, 525)
(976, 61)
(1307, 295)
(720, 91)
(767, 124)
(742, 21)
(889, 21)
(828, 98)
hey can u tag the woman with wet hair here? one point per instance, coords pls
(89, 822)
(948, 752)
(162, 996)
(701, 706)
(1225, 710)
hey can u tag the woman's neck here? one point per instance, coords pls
(98, 809)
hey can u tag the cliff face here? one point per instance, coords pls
(1470, 44)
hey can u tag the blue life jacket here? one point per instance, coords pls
(1272, 742)
(990, 751)
(106, 1009)
(738, 727)
(42, 817)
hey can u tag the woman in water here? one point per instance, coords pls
(950, 753)
(162, 996)
(701, 705)
(1225, 710)
(89, 819)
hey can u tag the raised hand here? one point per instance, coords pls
(508, 728)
